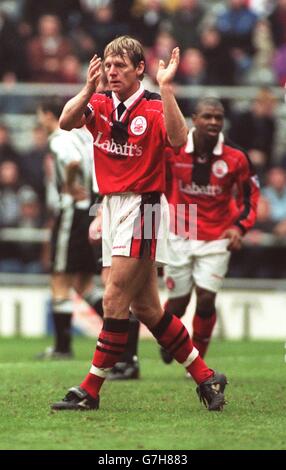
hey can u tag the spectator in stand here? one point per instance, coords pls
(258, 257)
(162, 48)
(123, 15)
(31, 216)
(11, 215)
(65, 10)
(32, 162)
(192, 71)
(11, 47)
(47, 50)
(275, 193)
(279, 66)
(220, 67)
(236, 25)
(261, 7)
(149, 21)
(102, 26)
(262, 257)
(7, 150)
(70, 69)
(277, 20)
(185, 23)
(254, 130)
(261, 71)
(193, 68)
(9, 187)
(9, 102)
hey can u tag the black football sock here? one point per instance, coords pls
(62, 318)
(131, 349)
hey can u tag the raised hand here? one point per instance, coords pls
(94, 72)
(165, 75)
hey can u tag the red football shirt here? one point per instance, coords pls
(223, 187)
(137, 165)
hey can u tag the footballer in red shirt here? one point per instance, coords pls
(129, 132)
(213, 193)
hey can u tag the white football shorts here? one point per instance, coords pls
(135, 225)
(204, 263)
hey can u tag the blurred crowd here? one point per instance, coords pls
(231, 42)
(223, 42)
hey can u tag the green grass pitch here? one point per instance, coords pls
(161, 411)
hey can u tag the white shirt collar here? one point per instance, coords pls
(190, 143)
(129, 100)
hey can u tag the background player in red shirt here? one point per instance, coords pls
(129, 134)
(218, 179)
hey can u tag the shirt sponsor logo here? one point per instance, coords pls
(220, 168)
(126, 150)
(138, 125)
(196, 190)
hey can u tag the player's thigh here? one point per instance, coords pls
(126, 277)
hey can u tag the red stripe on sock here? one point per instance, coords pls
(202, 331)
(167, 340)
(92, 383)
(199, 370)
(110, 357)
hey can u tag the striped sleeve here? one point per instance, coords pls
(248, 194)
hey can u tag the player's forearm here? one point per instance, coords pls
(176, 126)
(73, 112)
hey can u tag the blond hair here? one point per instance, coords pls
(126, 45)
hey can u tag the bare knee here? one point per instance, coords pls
(178, 305)
(205, 302)
(148, 314)
(60, 286)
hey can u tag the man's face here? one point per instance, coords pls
(122, 76)
(208, 121)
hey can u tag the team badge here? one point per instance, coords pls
(220, 168)
(170, 283)
(138, 125)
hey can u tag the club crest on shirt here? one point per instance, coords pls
(220, 168)
(170, 283)
(138, 125)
